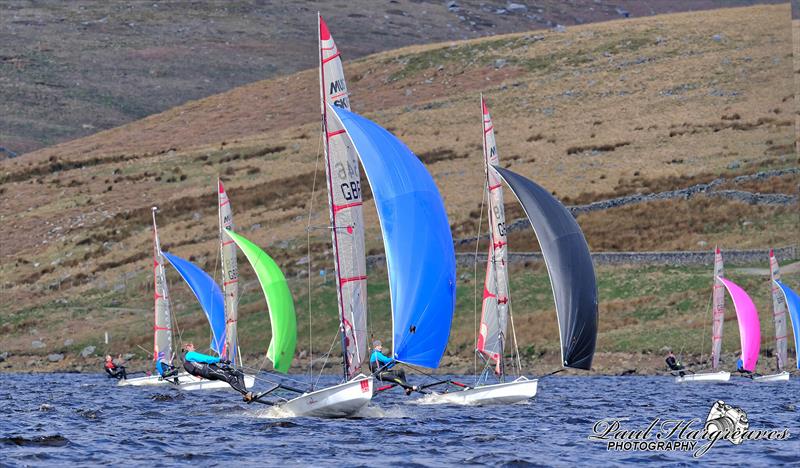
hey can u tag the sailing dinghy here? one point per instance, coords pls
(572, 279)
(718, 320)
(209, 296)
(781, 300)
(337, 401)
(749, 327)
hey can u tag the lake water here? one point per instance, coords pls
(84, 419)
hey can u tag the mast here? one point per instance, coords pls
(345, 204)
(162, 326)
(717, 310)
(494, 313)
(778, 312)
(230, 275)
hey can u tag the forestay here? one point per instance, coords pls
(569, 265)
(749, 326)
(717, 310)
(793, 304)
(416, 237)
(494, 310)
(778, 311)
(345, 203)
(162, 328)
(230, 274)
(279, 302)
(208, 295)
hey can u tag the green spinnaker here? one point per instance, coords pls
(279, 300)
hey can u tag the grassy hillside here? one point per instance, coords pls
(598, 111)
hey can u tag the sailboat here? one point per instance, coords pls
(209, 296)
(569, 266)
(793, 304)
(779, 308)
(749, 327)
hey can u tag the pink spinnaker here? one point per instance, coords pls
(749, 325)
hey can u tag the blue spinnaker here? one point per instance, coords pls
(208, 294)
(416, 238)
(793, 304)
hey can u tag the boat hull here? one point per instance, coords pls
(705, 378)
(780, 377)
(340, 401)
(496, 394)
(185, 382)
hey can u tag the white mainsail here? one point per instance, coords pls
(162, 328)
(778, 312)
(718, 309)
(230, 274)
(344, 199)
(494, 313)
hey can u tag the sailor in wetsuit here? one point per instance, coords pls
(116, 371)
(674, 364)
(205, 366)
(165, 369)
(740, 368)
(378, 361)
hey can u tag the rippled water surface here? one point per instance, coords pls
(51, 419)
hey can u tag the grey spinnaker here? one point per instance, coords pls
(569, 266)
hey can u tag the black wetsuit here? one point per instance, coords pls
(673, 364)
(116, 372)
(395, 376)
(234, 377)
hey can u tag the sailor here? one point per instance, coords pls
(166, 369)
(674, 364)
(740, 367)
(380, 365)
(114, 370)
(205, 366)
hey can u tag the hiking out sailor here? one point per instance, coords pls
(213, 368)
(114, 370)
(674, 364)
(740, 367)
(166, 369)
(381, 366)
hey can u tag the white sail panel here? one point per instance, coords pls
(778, 312)
(162, 328)
(344, 200)
(494, 313)
(717, 309)
(230, 274)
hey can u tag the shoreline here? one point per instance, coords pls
(605, 364)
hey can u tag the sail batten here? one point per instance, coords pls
(569, 266)
(283, 321)
(494, 310)
(230, 275)
(344, 201)
(749, 325)
(208, 295)
(416, 233)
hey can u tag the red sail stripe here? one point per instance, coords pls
(338, 208)
(337, 95)
(352, 278)
(489, 129)
(230, 282)
(337, 132)
(227, 243)
(324, 61)
(495, 187)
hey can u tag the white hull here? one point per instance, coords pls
(496, 394)
(185, 382)
(339, 401)
(707, 378)
(781, 377)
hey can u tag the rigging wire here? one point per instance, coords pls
(475, 281)
(308, 253)
(327, 355)
(514, 336)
